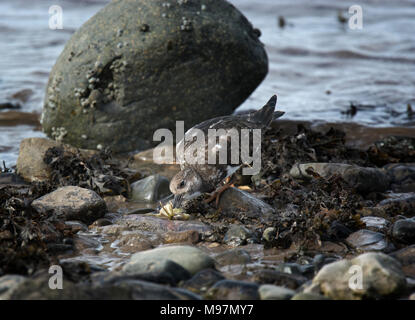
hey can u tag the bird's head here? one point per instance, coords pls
(185, 185)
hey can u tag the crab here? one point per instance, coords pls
(167, 211)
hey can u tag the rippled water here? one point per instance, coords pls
(312, 56)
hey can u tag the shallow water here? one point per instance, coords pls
(314, 54)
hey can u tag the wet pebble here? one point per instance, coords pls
(233, 290)
(404, 230)
(76, 226)
(158, 225)
(115, 288)
(237, 235)
(134, 241)
(406, 256)
(203, 280)
(8, 284)
(271, 292)
(102, 222)
(338, 231)
(375, 223)
(234, 200)
(161, 271)
(190, 258)
(187, 236)
(83, 242)
(269, 276)
(296, 269)
(234, 256)
(308, 296)
(402, 176)
(367, 240)
(150, 189)
(72, 203)
(321, 260)
(381, 275)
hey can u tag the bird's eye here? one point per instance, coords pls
(182, 184)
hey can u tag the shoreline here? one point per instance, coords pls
(282, 220)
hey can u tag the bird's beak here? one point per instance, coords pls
(177, 201)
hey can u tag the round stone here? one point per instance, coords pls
(128, 72)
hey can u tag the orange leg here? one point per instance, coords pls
(216, 194)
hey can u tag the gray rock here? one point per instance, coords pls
(114, 289)
(8, 284)
(234, 256)
(30, 165)
(367, 240)
(396, 202)
(404, 230)
(381, 276)
(278, 278)
(406, 257)
(102, 222)
(271, 292)
(72, 203)
(233, 290)
(162, 265)
(190, 258)
(321, 260)
(203, 280)
(402, 176)
(154, 224)
(137, 66)
(237, 235)
(375, 223)
(150, 189)
(161, 271)
(338, 231)
(308, 296)
(236, 200)
(363, 179)
(76, 226)
(136, 240)
(296, 268)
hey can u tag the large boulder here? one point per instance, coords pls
(140, 65)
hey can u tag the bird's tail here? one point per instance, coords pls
(266, 114)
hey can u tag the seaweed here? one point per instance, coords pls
(98, 172)
(26, 236)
